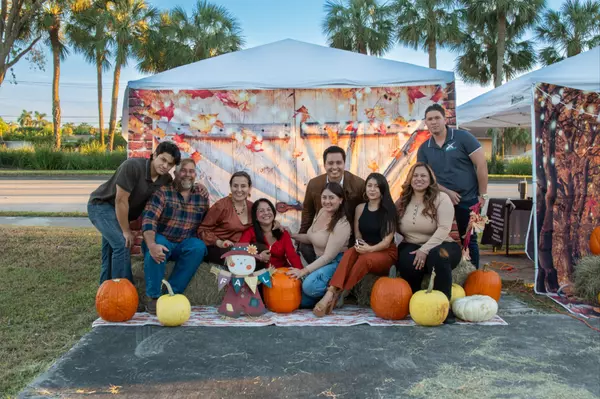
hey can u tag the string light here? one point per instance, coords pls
(556, 99)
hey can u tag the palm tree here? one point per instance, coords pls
(128, 24)
(52, 23)
(39, 120)
(502, 16)
(568, 32)
(479, 58)
(177, 39)
(88, 34)
(25, 119)
(363, 26)
(428, 24)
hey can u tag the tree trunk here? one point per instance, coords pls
(432, 50)
(500, 50)
(547, 182)
(2, 75)
(100, 106)
(113, 106)
(55, 43)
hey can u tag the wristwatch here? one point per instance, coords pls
(485, 196)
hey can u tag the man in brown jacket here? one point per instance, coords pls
(334, 159)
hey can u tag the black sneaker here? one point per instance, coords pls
(450, 319)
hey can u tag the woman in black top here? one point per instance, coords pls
(374, 251)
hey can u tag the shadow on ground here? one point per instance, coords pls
(536, 356)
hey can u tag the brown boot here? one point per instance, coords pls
(151, 306)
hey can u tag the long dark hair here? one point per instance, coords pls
(387, 213)
(338, 191)
(431, 193)
(258, 231)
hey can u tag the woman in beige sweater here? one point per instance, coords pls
(425, 216)
(328, 234)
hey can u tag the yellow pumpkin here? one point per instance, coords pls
(172, 310)
(429, 307)
(457, 292)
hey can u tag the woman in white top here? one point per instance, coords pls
(328, 234)
(425, 216)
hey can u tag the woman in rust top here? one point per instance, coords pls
(227, 219)
(274, 243)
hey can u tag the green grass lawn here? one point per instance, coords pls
(47, 290)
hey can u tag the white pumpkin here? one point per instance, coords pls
(475, 308)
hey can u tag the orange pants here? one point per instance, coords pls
(354, 266)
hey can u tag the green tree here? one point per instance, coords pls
(88, 33)
(502, 19)
(128, 24)
(176, 38)
(18, 36)
(68, 129)
(428, 24)
(39, 120)
(362, 26)
(25, 119)
(492, 48)
(3, 127)
(568, 32)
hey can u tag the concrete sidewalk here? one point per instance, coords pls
(535, 356)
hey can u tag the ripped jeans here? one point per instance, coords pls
(316, 283)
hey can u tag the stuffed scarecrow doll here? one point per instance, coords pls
(241, 282)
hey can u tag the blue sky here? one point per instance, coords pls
(262, 21)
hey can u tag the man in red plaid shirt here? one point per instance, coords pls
(169, 224)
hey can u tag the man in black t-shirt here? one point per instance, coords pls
(122, 199)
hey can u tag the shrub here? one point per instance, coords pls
(519, 166)
(495, 166)
(47, 158)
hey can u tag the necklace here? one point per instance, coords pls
(236, 210)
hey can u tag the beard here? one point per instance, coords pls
(186, 184)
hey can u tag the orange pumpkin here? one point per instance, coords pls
(595, 241)
(116, 300)
(484, 282)
(285, 294)
(390, 298)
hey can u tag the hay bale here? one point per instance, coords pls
(586, 278)
(362, 290)
(459, 274)
(202, 289)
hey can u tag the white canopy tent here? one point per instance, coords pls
(510, 105)
(291, 64)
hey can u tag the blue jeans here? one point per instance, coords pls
(316, 283)
(116, 258)
(462, 213)
(187, 254)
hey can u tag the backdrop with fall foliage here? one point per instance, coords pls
(278, 136)
(567, 151)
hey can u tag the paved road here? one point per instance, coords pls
(59, 195)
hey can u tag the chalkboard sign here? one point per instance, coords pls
(494, 230)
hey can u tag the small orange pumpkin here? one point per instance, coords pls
(390, 298)
(116, 300)
(484, 282)
(595, 241)
(285, 294)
